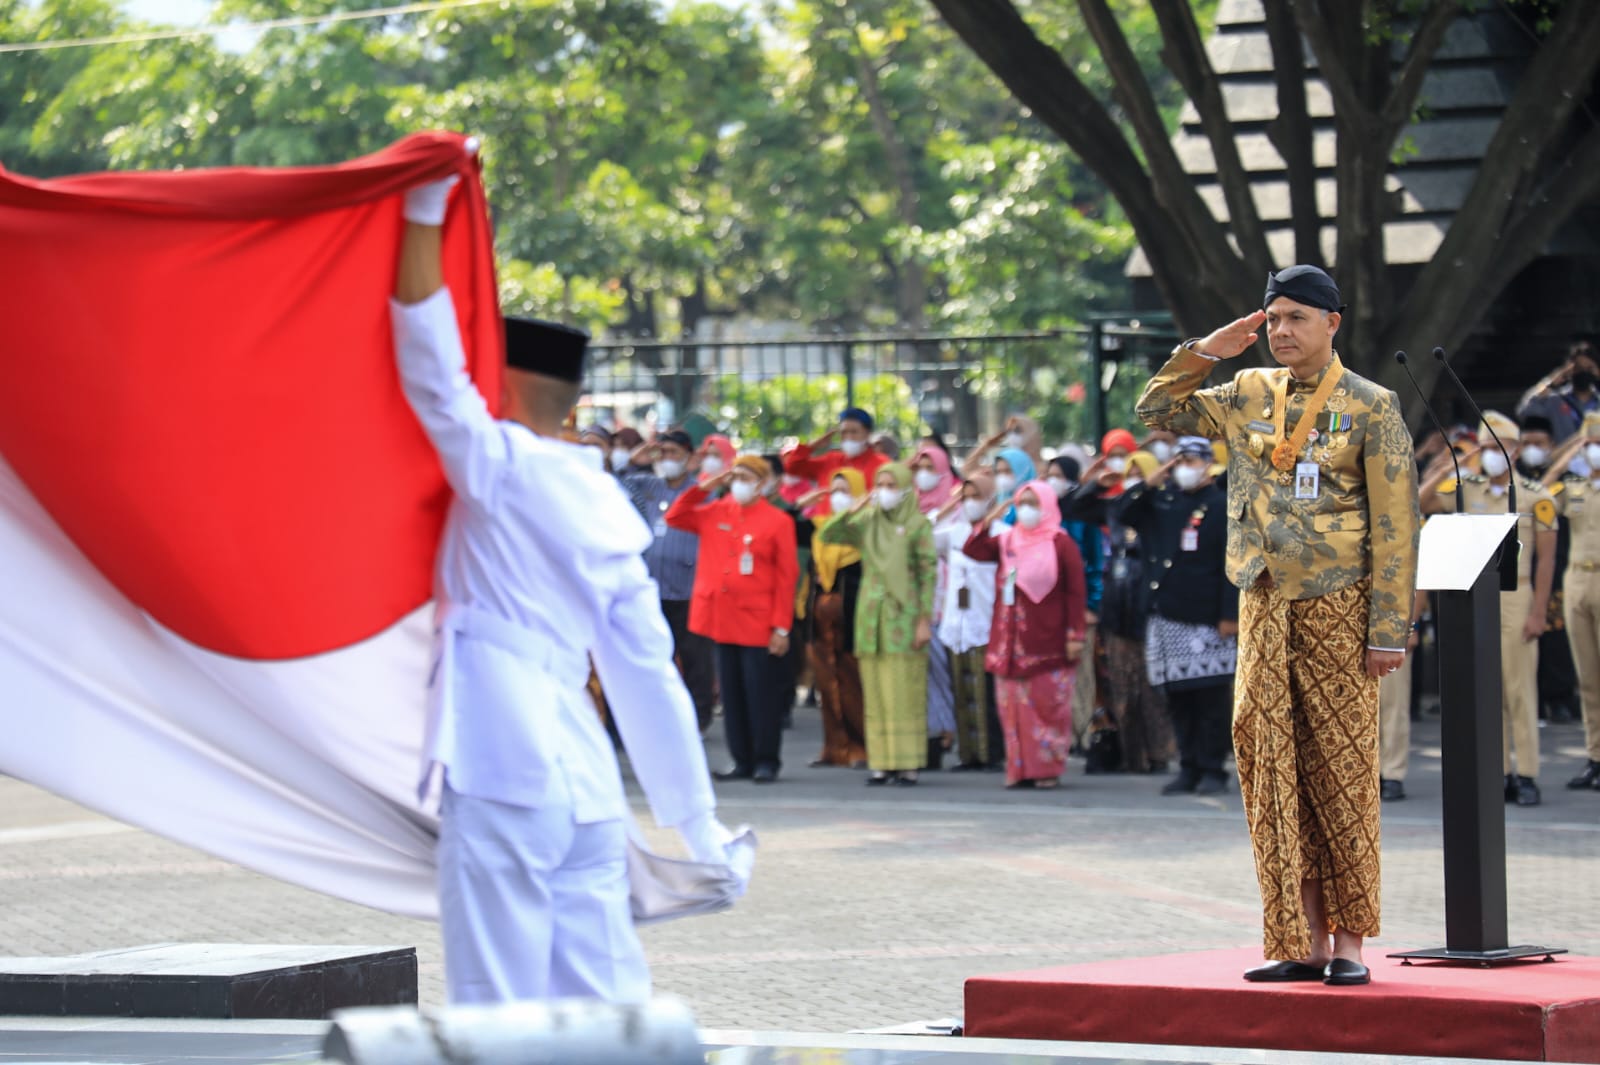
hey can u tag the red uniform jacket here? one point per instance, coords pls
(799, 461)
(728, 606)
(1027, 637)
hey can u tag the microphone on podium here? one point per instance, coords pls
(1511, 495)
(1508, 559)
(1400, 357)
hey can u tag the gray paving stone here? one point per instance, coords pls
(870, 906)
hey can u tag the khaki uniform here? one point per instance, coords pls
(1519, 658)
(1339, 545)
(1394, 723)
(1579, 499)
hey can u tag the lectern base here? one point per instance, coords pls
(1484, 958)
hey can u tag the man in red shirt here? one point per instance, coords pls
(854, 431)
(744, 582)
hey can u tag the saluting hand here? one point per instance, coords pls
(1235, 338)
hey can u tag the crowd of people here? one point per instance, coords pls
(1011, 607)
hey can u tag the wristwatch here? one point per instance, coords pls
(781, 632)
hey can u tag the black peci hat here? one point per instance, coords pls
(549, 349)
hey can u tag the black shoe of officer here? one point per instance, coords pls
(737, 772)
(1391, 790)
(1527, 792)
(1185, 782)
(1589, 778)
(1511, 788)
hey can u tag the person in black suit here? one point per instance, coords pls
(1191, 641)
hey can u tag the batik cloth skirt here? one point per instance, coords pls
(1305, 737)
(896, 704)
(1179, 655)
(1036, 718)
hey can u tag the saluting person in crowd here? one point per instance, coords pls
(964, 625)
(837, 575)
(1191, 643)
(1522, 612)
(1579, 497)
(744, 601)
(894, 621)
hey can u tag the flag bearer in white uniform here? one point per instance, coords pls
(540, 568)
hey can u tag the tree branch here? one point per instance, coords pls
(1185, 56)
(1406, 86)
(1346, 99)
(1543, 212)
(1194, 279)
(1290, 132)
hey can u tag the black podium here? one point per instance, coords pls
(1465, 560)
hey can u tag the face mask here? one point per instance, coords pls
(743, 492)
(621, 458)
(927, 480)
(1059, 485)
(852, 448)
(974, 509)
(669, 469)
(1117, 464)
(712, 465)
(1028, 516)
(889, 498)
(841, 502)
(1188, 476)
(1591, 452)
(1014, 440)
(1494, 463)
(1161, 450)
(1005, 484)
(1534, 456)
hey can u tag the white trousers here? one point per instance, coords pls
(534, 905)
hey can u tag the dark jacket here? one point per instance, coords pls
(1187, 586)
(1124, 595)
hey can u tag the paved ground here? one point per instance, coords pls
(870, 905)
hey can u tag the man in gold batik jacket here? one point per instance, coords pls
(1322, 539)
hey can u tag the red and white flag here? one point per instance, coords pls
(218, 515)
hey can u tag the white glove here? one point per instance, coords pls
(425, 204)
(706, 838)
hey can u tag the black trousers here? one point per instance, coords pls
(753, 703)
(1202, 720)
(696, 660)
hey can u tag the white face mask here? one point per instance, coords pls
(712, 465)
(1117, 464)
(852, 448)
(1493, 463)
(889, 498)
(841, 502)
(1059, 485)
(1591, 452)
(1028, 516)
(1188, 477)
(927, 480)
(974, 509)
(669, 469)
(1534, 456)
(1161, 450)
(743, 492)
(621, 458)
(1004, 484)
(1014, 439)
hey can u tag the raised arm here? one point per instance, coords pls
(471, 444)
(1174, 400)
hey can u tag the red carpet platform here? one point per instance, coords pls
(1528, 1011)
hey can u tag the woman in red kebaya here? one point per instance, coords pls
(743, 600)
(1037, 635)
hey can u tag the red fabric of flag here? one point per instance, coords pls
(200, 387)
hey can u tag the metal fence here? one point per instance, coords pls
(763, 391)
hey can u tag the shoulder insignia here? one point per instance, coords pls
(1474, 478)
(1448, 485)
(1557, 488)
(1544, 510)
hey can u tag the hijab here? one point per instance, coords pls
(886, 537)
(724, 447)
(948, 485)
(1023, 469)
(831, 558)
(1032, 552)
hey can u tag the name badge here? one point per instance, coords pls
(1259, 427)
(661, 527)
(747, 564)
(963, 598)
(1189, 540)
(1008, 591)
(1307, 480)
